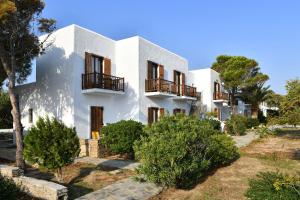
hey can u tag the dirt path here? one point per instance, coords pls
(231, 182)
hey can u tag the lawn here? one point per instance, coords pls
(280, 153)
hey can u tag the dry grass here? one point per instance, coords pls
(231, 182)
(82, 178)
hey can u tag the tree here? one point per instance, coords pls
(254, 95)
(51, 144)
(274, 99)
(290, 106)
(238, 72)
(19, 44)
(5, 111)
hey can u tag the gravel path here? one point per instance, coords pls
(242, 141)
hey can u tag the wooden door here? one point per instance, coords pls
(96, 121)
(152, 115)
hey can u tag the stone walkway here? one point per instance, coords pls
(126, 189)
(120, 164)
(242, 141)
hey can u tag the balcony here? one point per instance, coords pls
(189, 93)
(161, 88)
(220, 97)
(164, 88)
(99, 83)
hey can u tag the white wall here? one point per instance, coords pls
(202, 81)
(171, 62)
(53, 92)
(123, 64)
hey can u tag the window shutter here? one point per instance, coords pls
(161, 112)
(161, 71)
(107, 66)
(88, 63)
(150, 116)
(149, 71)
(183, 83)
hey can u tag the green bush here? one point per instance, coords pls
(222, 150)
(6, 120)
(264, 131)
(176, 150)
(252, 122)
(119, 137)
(51, 145)
(236, 125)
(8, 189)
(215, 124)
(274, 185)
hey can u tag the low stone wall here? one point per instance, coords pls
(92, 148)
(35, 187)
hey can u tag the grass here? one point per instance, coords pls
(82, 178)
(274, 153)
(274, 160)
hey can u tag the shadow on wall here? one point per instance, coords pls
(52, 92)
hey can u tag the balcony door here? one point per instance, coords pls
(96, 121)
(177, 81)
(216, 90)
(152, 71)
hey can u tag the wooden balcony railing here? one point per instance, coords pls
(220, 96)
(161, 85)
(102, 81)
(190, 91)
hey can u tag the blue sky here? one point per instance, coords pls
(265, 30)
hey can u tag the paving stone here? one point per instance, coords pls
(245, 140)
(126, 189)
(120, 164)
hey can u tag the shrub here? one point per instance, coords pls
(274, 185)
(215, 124)
(119, 137)
(8, 189)
(222, 150)
(236, 125)
(252, 122)
(176, 150)
(264, 131)
(6, 120)
(51, 145)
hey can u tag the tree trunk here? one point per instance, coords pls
(232, 103)
(254, 111)
(17, 125)
(59, 175)
(11, 73)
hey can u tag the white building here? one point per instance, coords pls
(88, 80)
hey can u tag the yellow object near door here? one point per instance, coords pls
(95, 135)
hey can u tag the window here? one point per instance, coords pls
(97, 64)
(152, 70)
(178, 110)
(152, 115)
(30, 115)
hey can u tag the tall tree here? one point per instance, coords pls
(19, 44)
(292, 98)
(274, 99)
(237, 73)
(254, 95)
